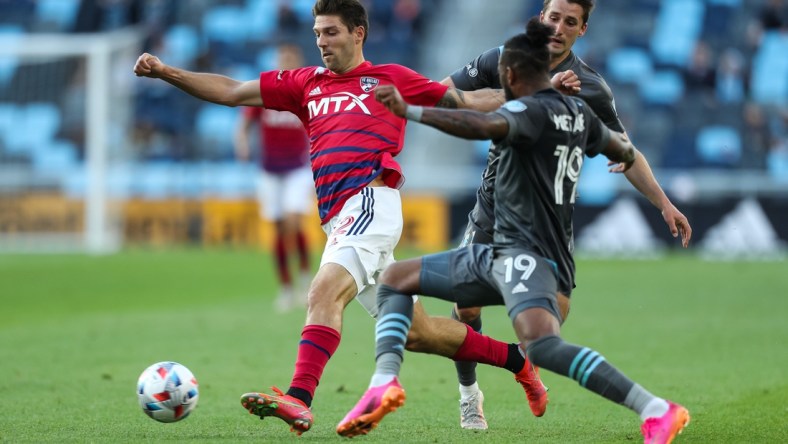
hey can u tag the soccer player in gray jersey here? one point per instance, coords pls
(572, 76)
(543, 137)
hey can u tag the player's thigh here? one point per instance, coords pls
(525, 280)
(270, 187)
(362, 237)
(298, 191)
(460, 275)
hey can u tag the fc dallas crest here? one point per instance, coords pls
(369, 83)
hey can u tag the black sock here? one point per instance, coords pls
(515, 359)
(301, 394)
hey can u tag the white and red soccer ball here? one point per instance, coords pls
(167, 391)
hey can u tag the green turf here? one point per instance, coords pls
(76, 331)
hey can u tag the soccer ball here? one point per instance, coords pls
(167, 391)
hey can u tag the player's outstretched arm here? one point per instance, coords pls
(485, 99)
(642, 178)
(467, 124)
(210, 87)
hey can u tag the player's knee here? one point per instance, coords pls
(416, 341)
(469, 314)
(540, 350)
(402, 276)
(563, 306)
(389, 275)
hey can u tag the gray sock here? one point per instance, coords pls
(584, 365)
(395, 314)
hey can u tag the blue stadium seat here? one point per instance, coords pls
(62, 13)
(769, 80)
(55, 157)
(228, 179)
(43, 118)
(261, 17)
(225, 24)
(629, 65)
(215, 126)
(153, 180)
(8, 119)
(596, 186)
(9, 35)
(676, 30)
(181, 45)
(719, 145)
(665, 87)
(266, 59)
(777, 165)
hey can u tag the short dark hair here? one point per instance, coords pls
(527, 53)
(351, 12)
(587, 5)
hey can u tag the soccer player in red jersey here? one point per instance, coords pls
(285, 188)
(354, 140)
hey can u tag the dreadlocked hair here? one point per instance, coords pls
(527, 53)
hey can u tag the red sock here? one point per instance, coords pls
(303, 253)
(318, 343)
(483, 349)
(280, 250)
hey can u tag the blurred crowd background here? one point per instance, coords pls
(700, 85)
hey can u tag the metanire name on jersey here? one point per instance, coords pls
(565, 122)
(340, 102)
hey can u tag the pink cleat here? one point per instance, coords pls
(376, 403)
(662, 430)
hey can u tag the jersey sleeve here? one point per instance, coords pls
(604, 106)
(283, 90)
(417, 89)
(252, 112)
(525, 121)
(481, 72)
(598, 133)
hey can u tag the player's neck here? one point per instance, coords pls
(355, 63)
(556, 60)
(531, 87)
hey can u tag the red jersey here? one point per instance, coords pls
(284, 144)
(354, 138)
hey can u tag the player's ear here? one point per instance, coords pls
(583, 30)
(511, 76)
(359, 33)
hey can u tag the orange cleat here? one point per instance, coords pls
(285, 407)
(535, 391)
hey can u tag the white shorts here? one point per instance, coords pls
(362, 237)
(291, 192)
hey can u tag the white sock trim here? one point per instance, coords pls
(654, 409)
(468, 390)
(380, 379)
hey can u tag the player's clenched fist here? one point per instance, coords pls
(389, 96)
(148, 66)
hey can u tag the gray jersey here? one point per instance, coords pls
(538, 169)
(482, 72)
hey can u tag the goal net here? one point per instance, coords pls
(66, 115)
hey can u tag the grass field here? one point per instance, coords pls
(76, 331)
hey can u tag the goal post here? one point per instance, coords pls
(66, 115)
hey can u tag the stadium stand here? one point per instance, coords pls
(688, 75)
